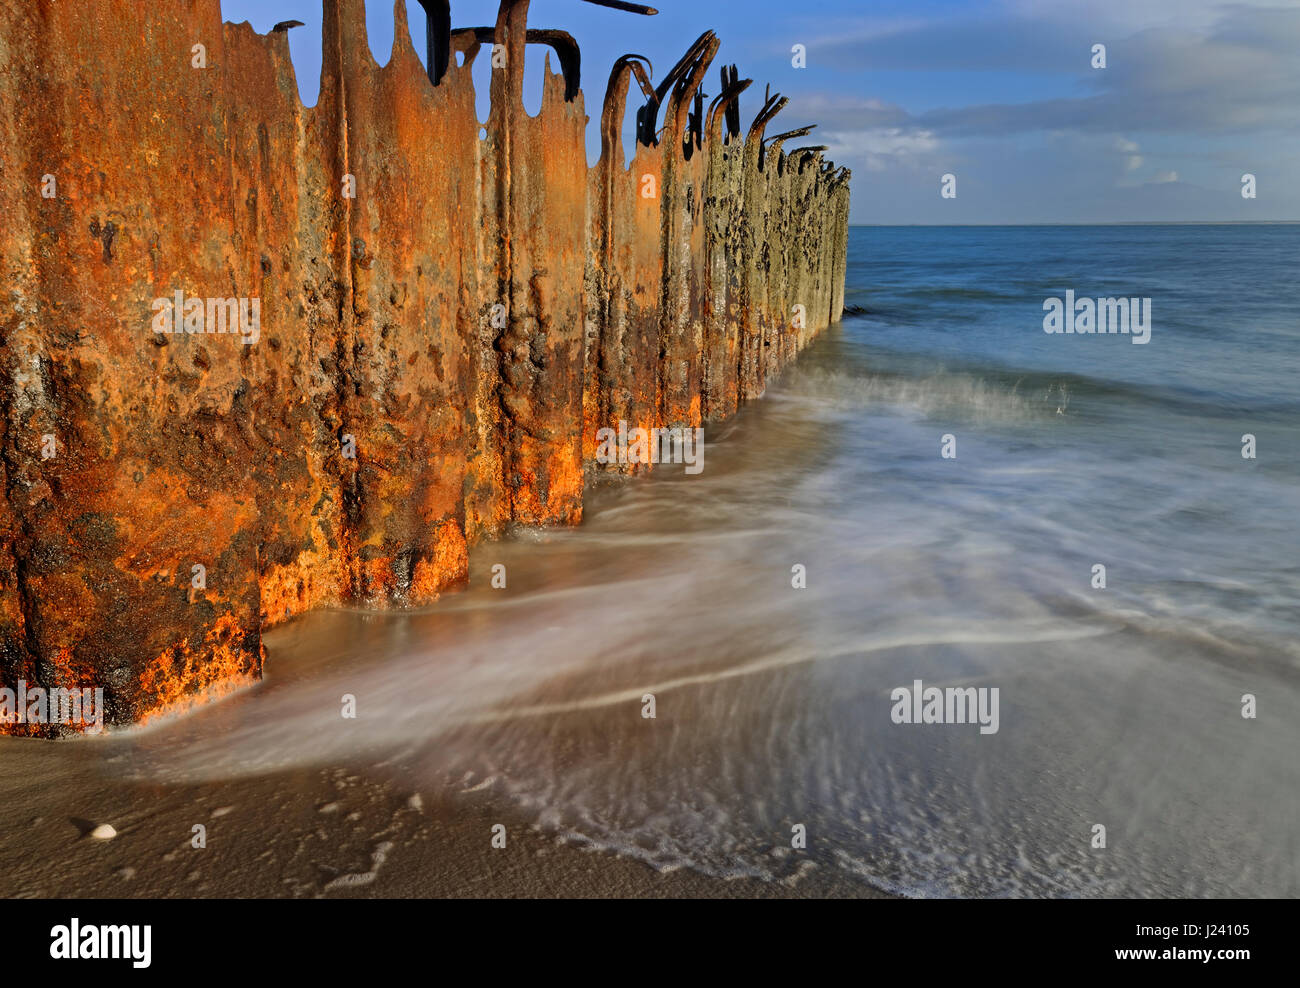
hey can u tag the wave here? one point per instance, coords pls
(1007, 392)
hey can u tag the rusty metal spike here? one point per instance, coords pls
(774, 105)
(689, 84)
(773, 145)
(730, 77)
(800, 132)
(437, 37)
(564, 44)
(696, 121)
(616, 95)
(725, 104)
(643, 73)
(631, 8)
(647, 117)
(684, 64)
(566, 48)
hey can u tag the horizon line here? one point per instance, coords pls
(1115, 223)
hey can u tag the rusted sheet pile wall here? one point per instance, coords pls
(446, 320)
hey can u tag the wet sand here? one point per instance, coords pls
(330, 833)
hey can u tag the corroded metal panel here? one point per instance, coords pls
(447, 312)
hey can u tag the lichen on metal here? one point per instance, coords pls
(447, 318)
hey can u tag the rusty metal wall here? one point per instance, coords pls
(435, 354)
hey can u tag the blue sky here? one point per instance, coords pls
(1000, 93)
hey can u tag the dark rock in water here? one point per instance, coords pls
(387, 335)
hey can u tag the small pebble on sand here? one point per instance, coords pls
(103, 832)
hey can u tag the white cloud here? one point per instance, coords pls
(1130, 148)
(882, 147)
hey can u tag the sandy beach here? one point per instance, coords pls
(310, 834)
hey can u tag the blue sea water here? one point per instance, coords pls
(1135, 449)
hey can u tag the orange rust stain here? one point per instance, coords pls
(309, 582)
(378, 579)
(185, 676)
(448, 568)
